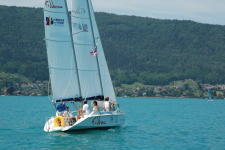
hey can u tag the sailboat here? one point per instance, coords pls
(210, 98)
(77, 67)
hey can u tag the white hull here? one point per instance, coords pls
(91, 121)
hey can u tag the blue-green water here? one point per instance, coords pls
(151, 124)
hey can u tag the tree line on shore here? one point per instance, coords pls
(138, 50)
(12, 84)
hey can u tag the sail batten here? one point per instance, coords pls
(54, 12)
(57, 40)
(80, 18)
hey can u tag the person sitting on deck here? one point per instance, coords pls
(67, 113)
(69, 118)
(106, 105)
(86, 109)
(60, 109)
(95, 106)
(112, 106)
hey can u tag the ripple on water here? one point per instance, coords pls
(151, 124)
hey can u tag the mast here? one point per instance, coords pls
(74, 54)
(95, 46)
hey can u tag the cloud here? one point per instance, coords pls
(206, 11)
(22, 3)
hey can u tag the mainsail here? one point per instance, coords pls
(93, 71)
(61, 57)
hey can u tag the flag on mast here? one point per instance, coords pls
(94, 52)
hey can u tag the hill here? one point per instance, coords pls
(144, 50)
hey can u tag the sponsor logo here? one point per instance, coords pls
(54, 21)
(81, 27)
(80, 11)
(50, 4)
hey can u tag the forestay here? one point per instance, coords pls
(61, 57)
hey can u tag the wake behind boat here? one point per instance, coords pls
(78, 70)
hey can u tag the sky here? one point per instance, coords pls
(204, 11)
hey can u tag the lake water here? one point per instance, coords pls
(151, 124)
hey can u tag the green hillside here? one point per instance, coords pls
(144, 50)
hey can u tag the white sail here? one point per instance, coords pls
(61, 57)
(84, 43)
(105, 75)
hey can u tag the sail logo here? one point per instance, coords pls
(54, 21)
(81, 27)
(50, 4)
(79, 11)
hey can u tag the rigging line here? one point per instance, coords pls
(51, 2)
(49, 97)
(49, 89)
(85, 90)
(77, 33)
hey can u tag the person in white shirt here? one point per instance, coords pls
(95, 107)
(86, 109)
(106, 106)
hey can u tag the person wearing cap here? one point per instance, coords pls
(60, 109)
(86, 108)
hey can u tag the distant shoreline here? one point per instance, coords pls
(182, 98)
(177, 89)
